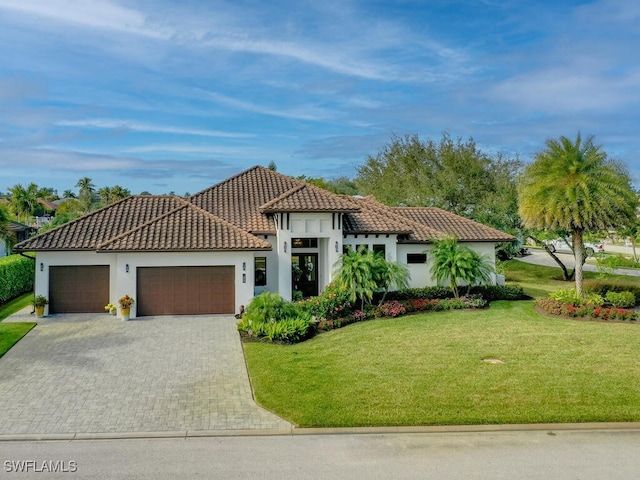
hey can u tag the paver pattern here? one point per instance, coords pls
(91, 373)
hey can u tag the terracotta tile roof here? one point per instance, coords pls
(377, 217)
(452, 224)
(239, 198)
(186, 229)
(309, 198)
(87, 232)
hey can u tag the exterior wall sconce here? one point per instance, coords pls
(244, 266)
(244, 278)
(337, 247)
(285, 247)
(41, 267)
(126, 268)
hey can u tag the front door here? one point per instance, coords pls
(304, 273)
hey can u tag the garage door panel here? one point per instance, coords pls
(78, 288)
(185, 290)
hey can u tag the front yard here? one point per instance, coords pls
(10, 333)
(432, 369)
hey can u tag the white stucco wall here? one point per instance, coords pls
(326, 227)
(123, 283)
(389, 242)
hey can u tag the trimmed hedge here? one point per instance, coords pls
(490, 293)
(17, 274)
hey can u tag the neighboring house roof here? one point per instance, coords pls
(228, 215)
(47, 204)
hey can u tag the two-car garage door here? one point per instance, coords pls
(160, 290)
(185, 290)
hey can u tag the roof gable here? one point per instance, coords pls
(239, 198)
(186, 228)
(309, 198)
(88, 231)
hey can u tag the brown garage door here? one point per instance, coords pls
(78, 288)
(185, 290)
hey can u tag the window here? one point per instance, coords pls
(362, 246)
(416, 258)
(260, 273)
(380, 249)
(304, 242)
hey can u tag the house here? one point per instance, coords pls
(212, 252)
(19, 232)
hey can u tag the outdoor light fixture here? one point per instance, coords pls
(285, 247)
(41, 267)
(244, 266)
(126, 268)
(337, 247)
(244, 278)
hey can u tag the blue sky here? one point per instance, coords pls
(176, 96)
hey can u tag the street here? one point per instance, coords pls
(540, 257)
(538, 454)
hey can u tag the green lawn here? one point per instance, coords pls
(428, 369)
(10, 333)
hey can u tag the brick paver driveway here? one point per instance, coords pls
(97, 374)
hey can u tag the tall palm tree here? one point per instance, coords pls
(573, 185)
(87, 193)
(457, 263)
(23, 201)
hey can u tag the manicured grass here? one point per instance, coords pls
(428, 369)
(15, 305)
(10, 333)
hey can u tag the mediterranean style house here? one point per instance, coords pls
(212, 252)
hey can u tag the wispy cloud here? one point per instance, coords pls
(105, 123)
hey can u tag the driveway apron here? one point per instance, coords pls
(89, 373)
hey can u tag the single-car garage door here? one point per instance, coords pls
(185, 290)
(78, 288)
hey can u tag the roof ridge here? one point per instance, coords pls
(82, 217)
(239, 174)
(376, 204)
(314, 188)
(282, 196)
(142, 225)
(223, 221)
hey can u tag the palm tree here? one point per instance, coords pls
(457, 263)
(356, 274)
(87, 194)
(23, 201)
(574, 186)
(68, 194)
(5, 232)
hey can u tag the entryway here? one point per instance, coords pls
(304, 273)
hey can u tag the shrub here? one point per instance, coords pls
(270, 316)
(474, 300)
(17, 275)
(568, 296)
(430, 293)
(557, 307)
(492, 293)
(391, 309)
(602, 288)
(624, 299)
(334, 303)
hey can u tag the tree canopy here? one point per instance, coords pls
(574, 186)
(454, 175)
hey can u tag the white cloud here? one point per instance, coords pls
(105, 123)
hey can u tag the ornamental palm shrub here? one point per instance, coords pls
(358, 274)
(270, 316)
(621, 299)
(455, 263)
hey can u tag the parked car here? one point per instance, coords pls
(561, 245)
